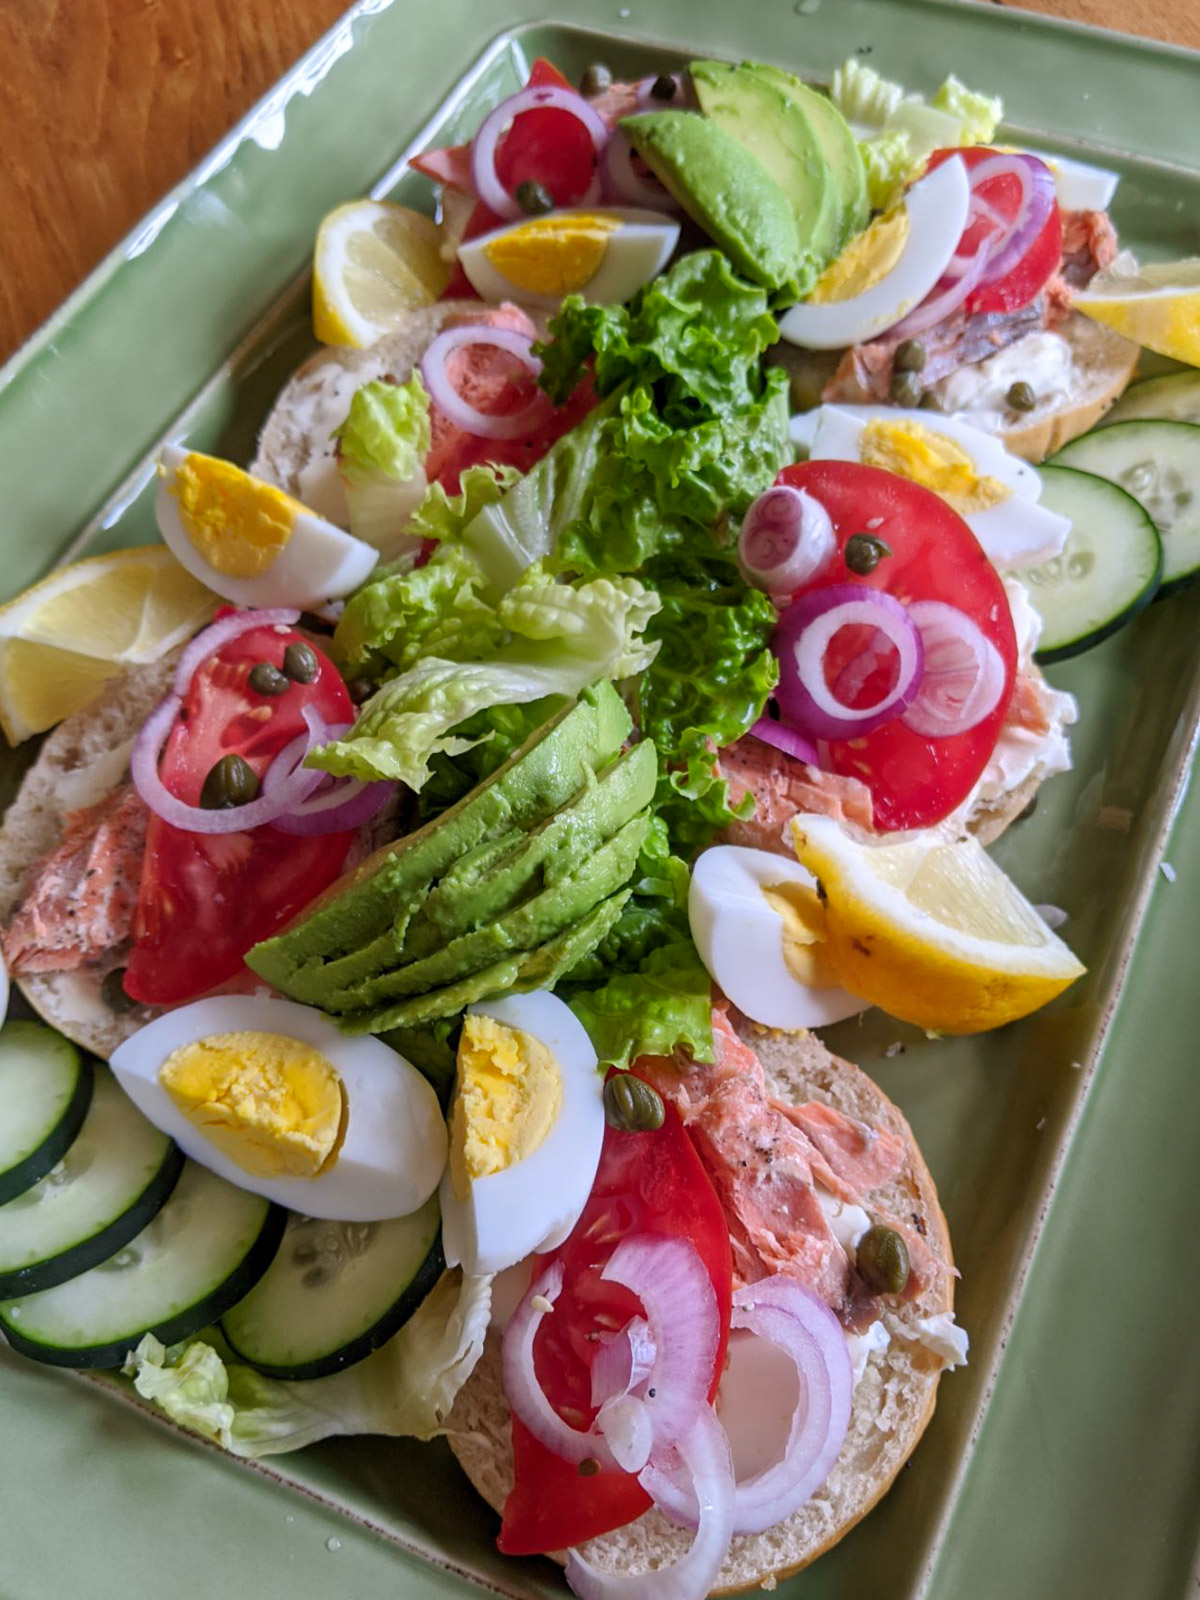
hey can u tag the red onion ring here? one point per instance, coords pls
(947, 294)
(543, 97)
(963, 677)
(704, 1457)
(457, 410)
(220, 633)
(334, 805)
(786, 540)
(622, 1362)
(143, 767)
(786, 739)
(1038, 199)
(805, 632)
(624, 184)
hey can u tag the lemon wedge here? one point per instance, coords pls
(1157, 306)
(63, 639)
(373, 263)
(932, 932)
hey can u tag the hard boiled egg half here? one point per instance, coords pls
(888, 268)
(247, 540)
(757, 923)
(269, 1095)
(994, 492)
(604, 255)
(525, 1132)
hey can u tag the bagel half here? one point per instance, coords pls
(893, 1401)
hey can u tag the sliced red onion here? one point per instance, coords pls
(459, 411)
(806, 630)
(626, 1424)
(786, 739)
(622, 1362)
(947, 294)
(623, 183)
(786, 540)
(704, 1456)
(963, 677)
(1038, 199)
(543, 97)
(143, 767)
(220, 633)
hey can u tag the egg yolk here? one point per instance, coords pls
(803, 918)
(864, 261)
(238, 524)
(274, 1105)
(932, 460)
(509, 1097)
(552, 255)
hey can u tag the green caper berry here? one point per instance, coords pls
(864, 552)
(589, 1467)
(1021, 397)
(534, 199)
(112, 991)
(595, 79)
(883, 1260)
(360, 690)
(631, 1106)
(663, 87)
(267, 680)
(300, 662)
(909, 357)
(230, 783)
(905, 389)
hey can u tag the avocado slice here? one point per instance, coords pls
(529, 926)
(364, 905)
(724, 188)
(839, 144)
(777, 130)
(530, 969)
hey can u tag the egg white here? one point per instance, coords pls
(1016, 533)
(740, 939)
(395, 1146)
(319, 562)
(634, 253)
(1078, 185)
(533, 1204)
(937, 207)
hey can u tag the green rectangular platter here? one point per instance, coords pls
(1065, 1460)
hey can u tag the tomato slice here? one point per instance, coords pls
(646, 1183)
(205, 899)
(1003, 195)
(914, 781)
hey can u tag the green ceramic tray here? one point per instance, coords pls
(1064, 1460)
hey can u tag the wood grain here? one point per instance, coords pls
(107, 103)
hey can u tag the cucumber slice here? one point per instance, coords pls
(1107, 572)
(202, 1252)
(116, 1175)
(1158, 463)
(335, 1292)
(1174, 398)
(45, 1092)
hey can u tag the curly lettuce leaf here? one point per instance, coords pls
(888, 161)
(979, 115)
(403, 613)
(386, 432)
(441, 516)
(863, 96)
(405, 1388)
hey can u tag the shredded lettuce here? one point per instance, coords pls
(381, 449)
(979, 114)
(863, 96)
(406, 1387)
(888, 160)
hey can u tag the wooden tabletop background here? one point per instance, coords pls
(108, 103)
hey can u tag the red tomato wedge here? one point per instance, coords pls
(646, 1183)
(205, 899)
(1003, 194)
(914, 781)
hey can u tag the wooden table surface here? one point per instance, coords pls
(108, 103)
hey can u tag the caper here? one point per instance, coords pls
(595, 79)
(663, 87)
(300, 662)
(589, 1467)
(905, 389)
(883, 1260)
(534, 199)
(864, 552)
(360, 690)
(268, 680)
(112, 991)
(630, 1105)
(909, 357)
(230, 783)
(1021, 397)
